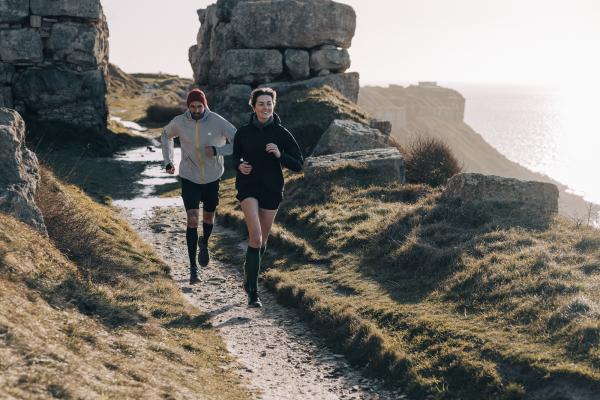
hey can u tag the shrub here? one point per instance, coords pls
(430, 161)
(163, 113)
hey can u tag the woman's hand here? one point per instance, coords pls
(273, 149)
(245, 168)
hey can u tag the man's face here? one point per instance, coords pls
(196, 109)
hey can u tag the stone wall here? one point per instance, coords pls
(284, 44)
(54, 61)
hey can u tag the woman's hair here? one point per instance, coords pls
(262, 91)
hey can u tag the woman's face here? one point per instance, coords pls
(264, 107)
(196, 109)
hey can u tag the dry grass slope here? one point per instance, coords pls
(469, 301)
(92, 313)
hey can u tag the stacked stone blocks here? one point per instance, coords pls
(54, 61)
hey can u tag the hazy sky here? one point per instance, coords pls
(491, 41)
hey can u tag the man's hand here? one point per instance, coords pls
(245, 168)
(209, 151)
(273, 149)
(170, 168)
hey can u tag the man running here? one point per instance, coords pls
(205, 138)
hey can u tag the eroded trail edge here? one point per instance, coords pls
(276, 351)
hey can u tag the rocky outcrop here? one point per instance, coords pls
(471, 187)
(347, 136)
(347, 84)
(20, 172)
(54, 62)
(253, 43)
(385, 163)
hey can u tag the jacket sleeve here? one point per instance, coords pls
(291, 156)
(166, 138)
(237, 151)
(228, 131)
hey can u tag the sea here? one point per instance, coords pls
(551, 130)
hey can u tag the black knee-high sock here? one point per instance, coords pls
(253, 267)
(206, 231)
(191, 236)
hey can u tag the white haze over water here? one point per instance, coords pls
(554, 131)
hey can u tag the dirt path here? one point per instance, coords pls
(276, 351)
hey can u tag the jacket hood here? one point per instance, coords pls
(188, 114)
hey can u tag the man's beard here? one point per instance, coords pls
(197, 116)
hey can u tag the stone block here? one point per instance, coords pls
(297, 63)
(479, 187)
(90, 9)
(13, 10)
(293, 24)
(330, 58)
(248, 66)
(347, 136)
(21, 46)
(384, 163)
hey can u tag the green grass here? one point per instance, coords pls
(92, 312)
(450, 300)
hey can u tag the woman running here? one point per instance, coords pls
(205, 138)
(260, 149)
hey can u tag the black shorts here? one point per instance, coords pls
(194, 193)
(266, 200)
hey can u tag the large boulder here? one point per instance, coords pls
(384, 163)
(293, 23)
(248, 66)
(472, 187)
(76, 43)
(21, 46)
(329, 58)
(347, 84)
(13, 10)
(74, 98)
(347, 136)
(297, 63)
(67, 8)
(20, 172)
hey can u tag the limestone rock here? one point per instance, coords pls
(331, 58)
(21, 46)
(7, 71)
(384, 163)
(6, 99)
(347, 84)
(74, 98)
(20, 172)
(67, 8)
(232, 103)
(225, 9)
(384, 127)
(248, 66)
(472, 186)
(297, 63)
(293, 23)
(77, 43)
(13, 10)
(347, 136)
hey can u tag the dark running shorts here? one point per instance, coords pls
(266, 201)
(194, 193)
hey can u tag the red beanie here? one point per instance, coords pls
(196, 95)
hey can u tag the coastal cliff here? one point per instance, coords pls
(430, 110)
